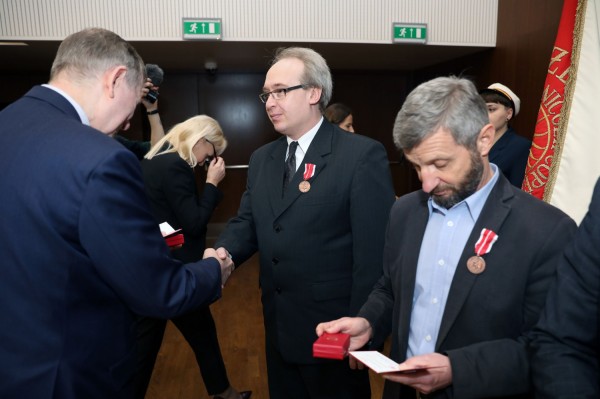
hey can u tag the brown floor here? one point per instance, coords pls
(238, 316)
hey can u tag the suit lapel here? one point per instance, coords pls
(418, 223)
(493, 215)
(319, 148)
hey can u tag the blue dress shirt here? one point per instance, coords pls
(443, 243)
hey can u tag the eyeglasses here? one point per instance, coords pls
(278, 94)
(209, 158)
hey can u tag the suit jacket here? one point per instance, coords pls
(320, 251)
(170, 185)
(486, 315)
(510, 153)
(81, 255)
(566, 353)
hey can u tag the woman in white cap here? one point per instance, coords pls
(510, 151)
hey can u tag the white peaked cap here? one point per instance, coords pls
(508, 93)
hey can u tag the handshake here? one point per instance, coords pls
(224, 258)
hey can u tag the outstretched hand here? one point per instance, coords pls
(358, 328)
(225, 261)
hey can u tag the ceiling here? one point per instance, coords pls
(249, 57)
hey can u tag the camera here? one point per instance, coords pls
(156, 75)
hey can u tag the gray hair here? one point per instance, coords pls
(316, 71)
(92, 51)
(451, 103)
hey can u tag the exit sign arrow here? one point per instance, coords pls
(409, 33)
(202, 28)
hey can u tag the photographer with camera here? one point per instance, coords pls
(154, 77)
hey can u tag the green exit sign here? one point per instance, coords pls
(202, 28)
(409, 33)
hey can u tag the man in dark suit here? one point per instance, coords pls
(467, 261)
(566, 353)
(319, 236)
(81, 252)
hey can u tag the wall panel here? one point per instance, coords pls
(456, 22)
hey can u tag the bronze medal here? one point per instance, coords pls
(304, 186)
(476, 264)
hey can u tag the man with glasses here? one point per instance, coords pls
(320, 238)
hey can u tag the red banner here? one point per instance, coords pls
(551, 113)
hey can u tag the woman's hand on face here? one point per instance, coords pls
(216, 171)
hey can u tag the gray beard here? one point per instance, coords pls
(467, 187)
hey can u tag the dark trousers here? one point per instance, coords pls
(332, 379)
(198, 328)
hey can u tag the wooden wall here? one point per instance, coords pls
(233, 100)
(526, 33)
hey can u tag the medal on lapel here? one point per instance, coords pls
(476, 263)
(309, 171)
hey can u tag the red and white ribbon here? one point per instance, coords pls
(309, 170)
(485, 242)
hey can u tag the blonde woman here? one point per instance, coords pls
(170, 184)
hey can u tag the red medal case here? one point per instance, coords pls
(174, 240)
(332, 346)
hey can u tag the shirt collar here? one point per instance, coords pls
(80, 112)
(307, 138)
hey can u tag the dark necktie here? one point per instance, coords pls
(290, 164)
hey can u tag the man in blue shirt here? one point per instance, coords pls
(467, 260)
